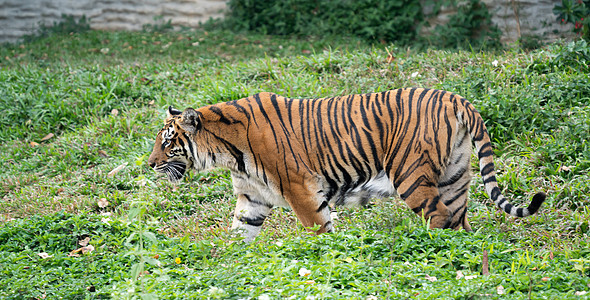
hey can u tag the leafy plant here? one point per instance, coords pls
(576, 12)
(374, 20)
(68, 24)
(159, 25)
(470, 26)
(397, 21)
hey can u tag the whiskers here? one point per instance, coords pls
(173, 169)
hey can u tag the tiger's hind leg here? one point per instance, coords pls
(420, 193)
(453, 185)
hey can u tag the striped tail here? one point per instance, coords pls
(481, 138)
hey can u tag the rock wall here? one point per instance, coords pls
(526, 18)
(19, 17)
(517, 18)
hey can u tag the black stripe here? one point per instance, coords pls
(485, 153)
(322, 206)
(326, 225)
(418, 209)
(462, 190)
(461, 217)
(432, 205)
(453, 178)
(256, 221)
(363, 112)
(487, 169)
(253, 201)
(240, 108)
(489, 179)
(190, 145)
(495, 194)
(273, 99)
(415, 185)
(263, 112)
(218, 111)
(233, 150)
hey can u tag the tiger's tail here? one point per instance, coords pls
(481, 138)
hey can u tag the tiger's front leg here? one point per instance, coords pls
(249, 215)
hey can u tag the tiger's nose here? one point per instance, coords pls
(152, 164)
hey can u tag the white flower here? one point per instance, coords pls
(102, 202)
(264, 297)
(216, 292)
(414, 75)
(495, 63)
(303, 272)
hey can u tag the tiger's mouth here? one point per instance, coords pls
(173, 169)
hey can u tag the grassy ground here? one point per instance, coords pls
(79, 113)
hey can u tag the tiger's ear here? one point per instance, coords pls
(191, 120)
(171, 112)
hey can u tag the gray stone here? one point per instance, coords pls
(18, 17)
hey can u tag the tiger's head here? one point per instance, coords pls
(174, 149)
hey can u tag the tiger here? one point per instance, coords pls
(312, 154)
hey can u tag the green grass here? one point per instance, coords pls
(172, 241)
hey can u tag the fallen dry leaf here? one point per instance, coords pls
(545, 279)
(431, 278)
(87, 249)
(459, 275)
(500, 290)
(102, 202)
(44, 255)
(84, 242)
(102, 153)
(390, 58)
(580, 293)
(34, 144)
(470, 277)
(84, 250)
(116, 170)
(48, 136)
